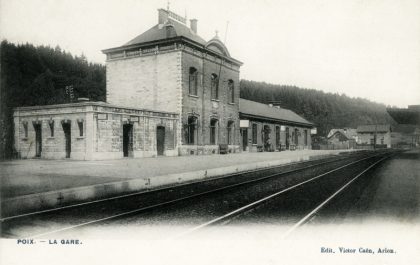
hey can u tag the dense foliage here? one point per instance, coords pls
(39, 76)
(325, 110)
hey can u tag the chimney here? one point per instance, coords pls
(163, 16)
(193, 23)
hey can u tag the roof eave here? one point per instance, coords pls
(169, 40)
(309, 124)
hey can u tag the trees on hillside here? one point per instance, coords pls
(326, 110)
(39, 76)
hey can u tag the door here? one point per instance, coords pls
(266, 138)
(244, 139)
(38, 140)
(128, 140)
(67, 138)
(160, 138)
(287, 138)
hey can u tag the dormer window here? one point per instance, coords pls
(192, 87)
(214, 84)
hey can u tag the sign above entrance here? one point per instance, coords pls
(244, 123)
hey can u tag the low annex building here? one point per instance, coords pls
(93, 130)
(272, 128)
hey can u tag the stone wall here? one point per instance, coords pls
(205, 108)
(102, 136)
(365, 138)
(150, 81)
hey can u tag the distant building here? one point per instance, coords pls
(407, 133)
(345, 138)
(366, 135)
(405, 136)
(270, 128)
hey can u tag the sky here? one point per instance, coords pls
(361, 48)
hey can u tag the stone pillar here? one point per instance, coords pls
(90, 134)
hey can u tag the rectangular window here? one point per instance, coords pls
(213, 124)
(254, 133)
(231, 91)
(230, 132)
(214, 85)
(192, 82)
(51, 124)
(25, 129)
(277, 137)
(80, 124)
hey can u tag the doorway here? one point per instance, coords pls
(38, 140)
(266, 138)
(128, 140)
(287, 138)
(67, 138)
(160, 140)
(244, 139)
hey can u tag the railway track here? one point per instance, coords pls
(237, 214)
(70, 218)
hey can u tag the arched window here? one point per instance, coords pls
(192, 85)
(191, 129)
(231, 91)
(213, 131)
(230, 128)
(214, 84)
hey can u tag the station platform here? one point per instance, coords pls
(34, 184)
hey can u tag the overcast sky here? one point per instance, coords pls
(363, 48)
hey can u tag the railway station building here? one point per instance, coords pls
(267, 127)
(169, 92)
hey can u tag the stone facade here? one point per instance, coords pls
(156, 71)
(93, 130)
(207, 107)
(367, 138)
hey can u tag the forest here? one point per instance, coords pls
(42, 75)
(325, 110)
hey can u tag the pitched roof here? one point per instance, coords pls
(348, 132)
(373, 127)
(264, 111)
(159, 32)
